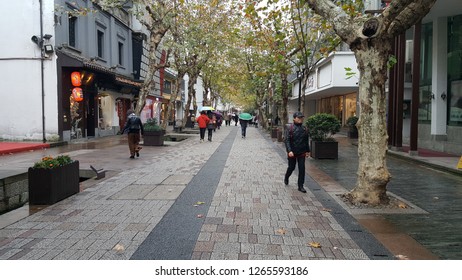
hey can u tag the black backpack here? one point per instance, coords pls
(134, 123)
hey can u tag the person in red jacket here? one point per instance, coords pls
(202, 121)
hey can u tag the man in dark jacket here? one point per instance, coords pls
(133, 126)
(298, 148)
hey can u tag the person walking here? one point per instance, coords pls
(134, 127)
(202, 122)
(226, 117)
(244, 124)
(298, 148)
(211, 126)
(236, 119)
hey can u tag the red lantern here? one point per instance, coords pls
(77, 94)
(76, 79)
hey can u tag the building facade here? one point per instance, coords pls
(438, 125)
(70, 75)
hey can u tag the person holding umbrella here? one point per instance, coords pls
(298, 148)
(211, 126)
(244, 119)
(202, 122)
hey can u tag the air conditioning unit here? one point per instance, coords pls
(409, 51)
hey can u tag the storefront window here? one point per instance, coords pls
(105, 111)
(350, 105)
(454, 96)
(425, 91)
(332, 105)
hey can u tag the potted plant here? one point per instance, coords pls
(153, 133)
(321, 128)
(352, 129)
(53, 179)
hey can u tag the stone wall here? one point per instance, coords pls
(14, 192)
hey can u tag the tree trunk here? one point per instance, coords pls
(285, 98)
(153, 67)
(373, 175)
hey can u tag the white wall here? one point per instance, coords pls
(199, 92)
(20, 69)
(341, 61)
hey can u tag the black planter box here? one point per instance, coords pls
(353, 134)
(48, 186)
(274, 132)
(324, 150)
(153, 138)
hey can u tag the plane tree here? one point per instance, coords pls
(370, 37)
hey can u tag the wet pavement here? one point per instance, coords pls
(439, 194)
(225, 200)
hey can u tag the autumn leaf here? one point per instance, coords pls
(200, 216)
(314, 244)
(281, 231)
(119, 248)
(402, 205)
(402, 257)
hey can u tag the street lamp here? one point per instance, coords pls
(299, 77)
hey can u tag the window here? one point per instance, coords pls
(100, 40)
(454, 96)
(121, 53)
(72, 31)
(167, 87)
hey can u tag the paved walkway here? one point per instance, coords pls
(226, 200)
(218, 200)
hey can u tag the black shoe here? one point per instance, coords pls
(302, 189)
(137, 154)
(132, 156)
(286, 181)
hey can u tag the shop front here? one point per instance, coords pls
(94, 101)
(342, 106)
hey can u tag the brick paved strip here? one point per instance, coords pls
(175, 236)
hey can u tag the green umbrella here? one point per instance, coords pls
(245, 116)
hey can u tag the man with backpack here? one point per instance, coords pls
(296, 139)
(133, 126)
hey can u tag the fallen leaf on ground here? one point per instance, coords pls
(199, 203)
(436, 197)
(314, 244)
(200, 216)
(402, 257)
(281, 231)
(402, 205)
(119, 248)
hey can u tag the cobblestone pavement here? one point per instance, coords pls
(439, 194)
(251, 215)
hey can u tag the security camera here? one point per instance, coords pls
(36, 39)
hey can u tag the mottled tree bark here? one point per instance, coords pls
(370, 37)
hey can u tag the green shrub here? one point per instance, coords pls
(50, 162)
(322, 126)
(351, 122)
(152, 125)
